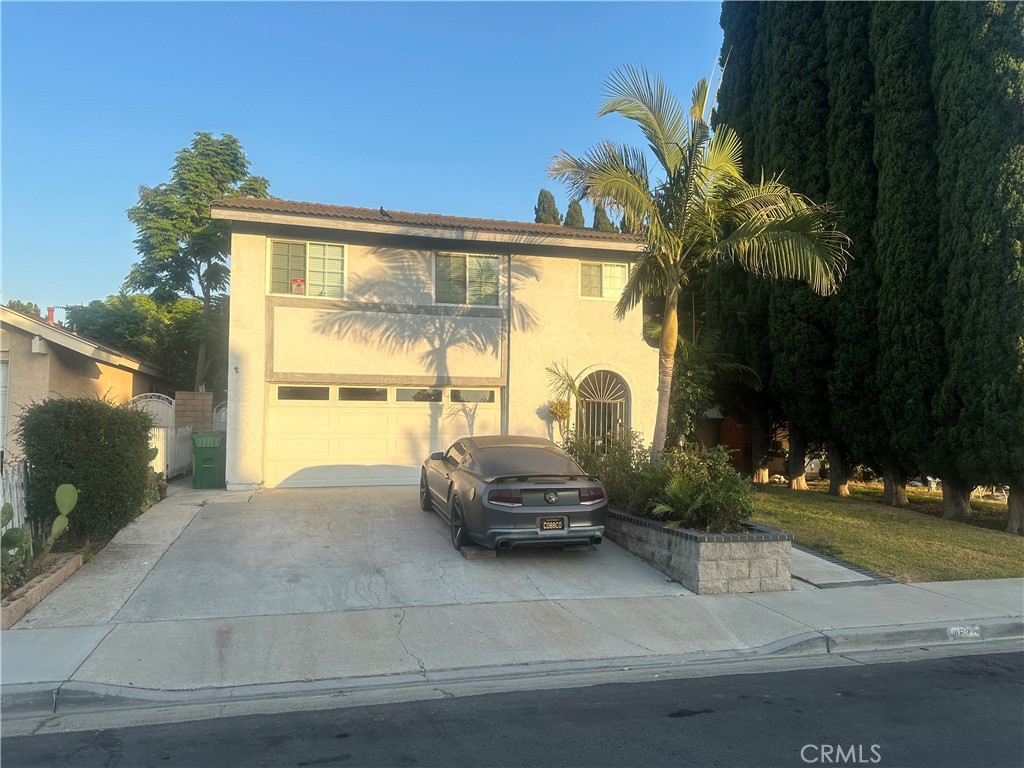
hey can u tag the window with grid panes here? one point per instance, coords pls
(602, 281)
(308, 269)
(465, 279)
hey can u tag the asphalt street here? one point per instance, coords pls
(957, 711)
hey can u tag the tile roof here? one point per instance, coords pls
(429, 220)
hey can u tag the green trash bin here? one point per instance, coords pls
(209, 457)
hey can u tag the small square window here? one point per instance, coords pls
(308, 269)
(603, 281)
(303, 393)
(418, 395)
(465, 279)
(363, 394)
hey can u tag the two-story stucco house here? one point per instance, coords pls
(362, 340)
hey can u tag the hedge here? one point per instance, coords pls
(99, 447)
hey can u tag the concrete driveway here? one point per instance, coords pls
(346, 549)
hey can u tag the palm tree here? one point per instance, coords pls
(699, 213)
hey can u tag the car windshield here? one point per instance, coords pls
(505, 460)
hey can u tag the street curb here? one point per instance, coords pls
(34, 700)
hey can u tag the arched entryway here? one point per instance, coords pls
(603, 405)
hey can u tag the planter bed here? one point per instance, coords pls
(57, 570)
(708, 563)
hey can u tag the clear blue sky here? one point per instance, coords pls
(450, 108)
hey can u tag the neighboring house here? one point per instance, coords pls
(40, 359)
(362, 340)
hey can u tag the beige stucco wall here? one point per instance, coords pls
(277, 339)
(554, 324)
(389, 344)
(60, 372)
(247, 388)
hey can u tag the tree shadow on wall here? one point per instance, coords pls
(395, 328)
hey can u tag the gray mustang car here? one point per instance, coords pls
(507, 491)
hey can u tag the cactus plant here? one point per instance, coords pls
(66, 497)
(16, 544)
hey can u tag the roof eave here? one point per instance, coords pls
(464, 234)
(54, 335)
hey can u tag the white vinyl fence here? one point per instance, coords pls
(174, 450)
(12, 489)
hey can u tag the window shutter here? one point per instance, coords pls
(288, 261)
(449, 279)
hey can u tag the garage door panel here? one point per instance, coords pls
(326, 444)
(297, 447)
(297, 420)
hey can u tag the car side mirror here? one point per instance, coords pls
(437, 456)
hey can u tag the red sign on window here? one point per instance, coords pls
(299, 286)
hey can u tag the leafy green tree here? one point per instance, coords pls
(574, 215)
(601, 221)
(183, 251)
(978, 80)
(131, 323)
(699, 212)
(546, 212)
(29, 308)
(911, 361)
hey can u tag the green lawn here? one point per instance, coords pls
(906, 545)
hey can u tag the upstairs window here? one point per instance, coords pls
(602, 281)
(308, 269)
(464, 279)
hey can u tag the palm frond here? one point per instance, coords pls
(644, 98)
(789, 239)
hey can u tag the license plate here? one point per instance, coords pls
(552, 524)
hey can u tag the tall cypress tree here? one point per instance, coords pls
(911, 359)
(794, 144)
(979, 88)
(858, 434)
(546, 212)
(574, 215)
(737, 303)
(601, 221)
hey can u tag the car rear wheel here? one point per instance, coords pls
(458, 524)
(425, 504)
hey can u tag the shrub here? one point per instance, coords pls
(100, 448)
(618, 459)
(705, 493)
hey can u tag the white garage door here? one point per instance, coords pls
(342, 435)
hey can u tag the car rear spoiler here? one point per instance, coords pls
(527, 478)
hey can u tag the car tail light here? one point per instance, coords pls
(591, 495)
(507, 498)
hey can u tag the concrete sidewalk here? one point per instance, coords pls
(78, 653)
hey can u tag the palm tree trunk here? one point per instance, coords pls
(666, 365)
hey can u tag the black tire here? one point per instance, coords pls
(458, 523)
(425, 503)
